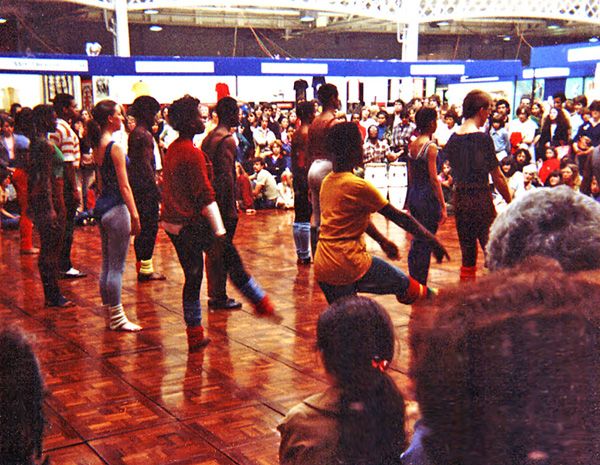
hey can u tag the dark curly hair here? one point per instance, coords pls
(507, 369)
(183, 115)
(344, 143)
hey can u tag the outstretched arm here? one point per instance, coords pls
(412, 226)
(390, 249)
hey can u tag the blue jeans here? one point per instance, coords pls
(381, 278)
(190, 244)
(115, 226)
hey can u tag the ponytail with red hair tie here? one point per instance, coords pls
(379, 364)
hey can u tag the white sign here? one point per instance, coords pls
(43, 65)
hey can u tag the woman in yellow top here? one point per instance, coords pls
(342, 264)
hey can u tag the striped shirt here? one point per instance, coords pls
(66, 140)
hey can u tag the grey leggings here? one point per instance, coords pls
(115, 226)
(318, 170)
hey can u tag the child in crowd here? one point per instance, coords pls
(500, 136)
(551, 163)
(285, 191)
(360, 417)
(445, 178)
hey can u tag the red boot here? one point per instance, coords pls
(468, 273)
(265, 306)
(416, 291)
(196, 339)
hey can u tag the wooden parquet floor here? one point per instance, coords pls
(119, 398)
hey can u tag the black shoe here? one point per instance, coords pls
(228, 304)
(154, 276)
(61, 302)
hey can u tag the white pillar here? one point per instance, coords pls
(410, 43)
(409, 13)
(122, 28)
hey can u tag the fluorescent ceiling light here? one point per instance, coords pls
(593, 39)
(151, 12)
(3, 20)
(307, 16)
(155, 28)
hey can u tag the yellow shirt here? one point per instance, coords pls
(347, 203)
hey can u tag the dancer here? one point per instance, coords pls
(67, 142)
(190, 214)
(142, 176)
(221, 148)
(360, 418)
(342, 264)
(319, 159)
(425, 197)
(46, 205)
(473, 158)
(300, 165)
(115, 209)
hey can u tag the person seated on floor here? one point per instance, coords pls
(342, 264)
(507, 370)
(529, 181)
(554, 179)
(22, 419)
(274, 161)
(265, 187)
(360, 417)
(570, 176)
(9, 220)
(550, 164)
(285, 192)
(243, 189)
(558, 223)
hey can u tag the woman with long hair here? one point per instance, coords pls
(360, 417)
(115, 209)
(570, 176)
(473, 158)
(425, 197)
(555, 132)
